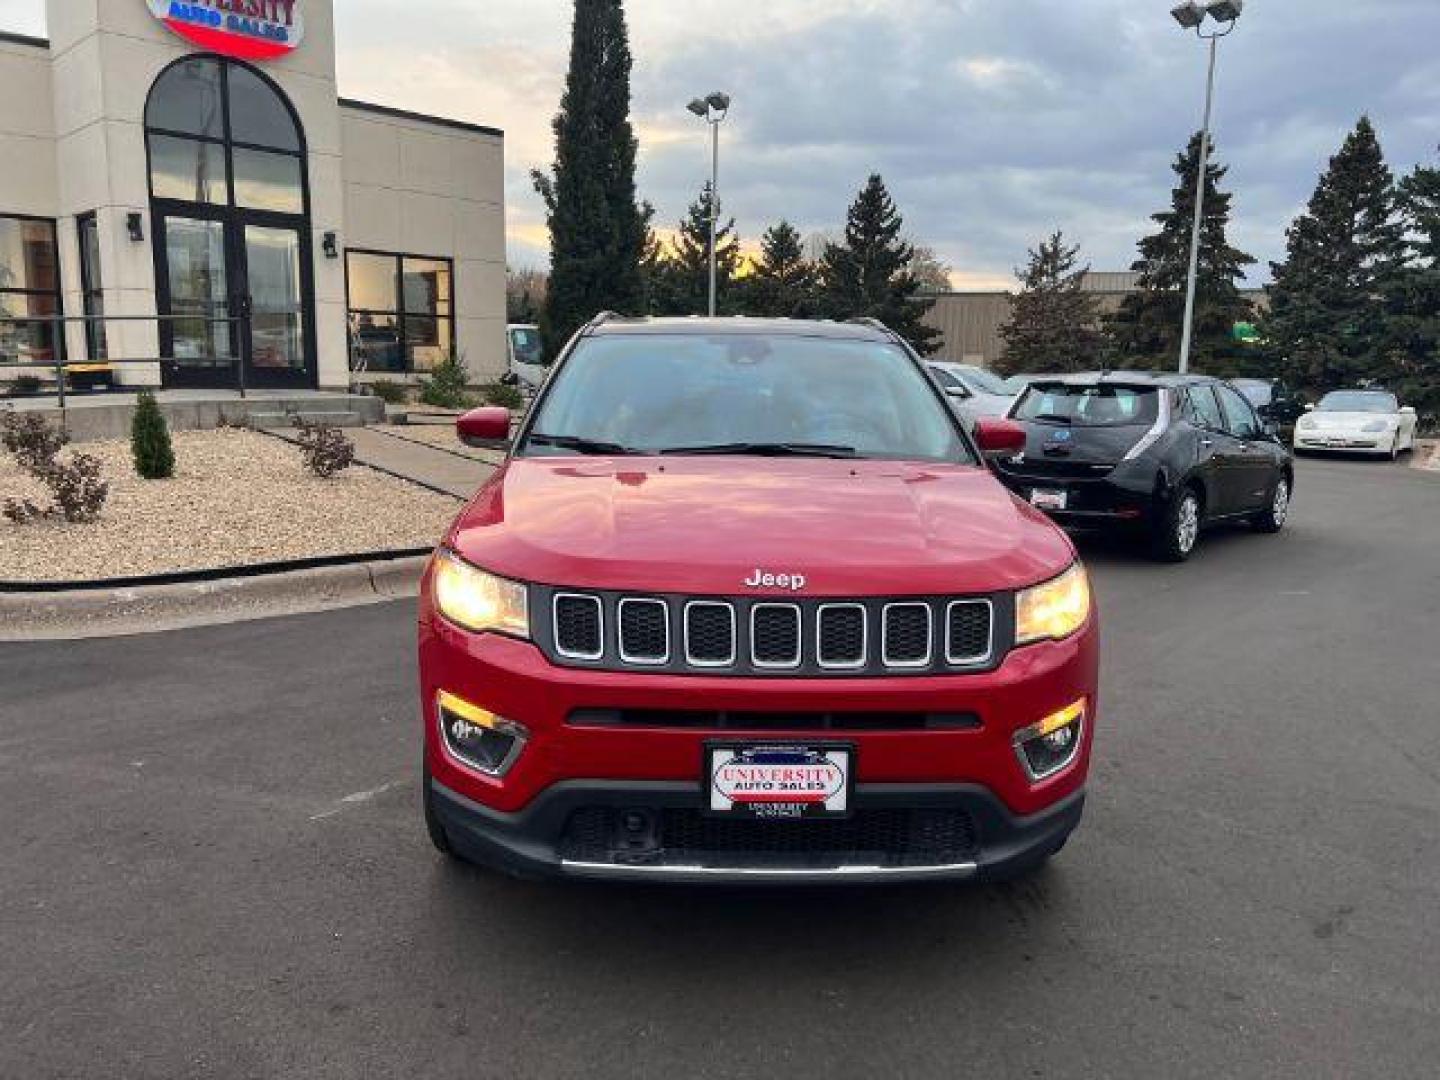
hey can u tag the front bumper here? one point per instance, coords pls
(556, 836)
(952, 802)
(1377, 443)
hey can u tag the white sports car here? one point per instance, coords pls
(1358, 421)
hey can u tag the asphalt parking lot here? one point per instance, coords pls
(212, 862)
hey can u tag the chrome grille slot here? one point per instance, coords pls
(841, 636)
(709, 633)
(644, 631)
(775, 635)
(579, 626)
(906, 635)
(969, 627)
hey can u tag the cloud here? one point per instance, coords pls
(993, 121)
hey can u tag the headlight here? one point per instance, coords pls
(1376, 425)
(479, 601)
(1054, 609)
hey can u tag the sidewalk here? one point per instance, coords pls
(425, 456)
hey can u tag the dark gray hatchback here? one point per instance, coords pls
(1165, 454)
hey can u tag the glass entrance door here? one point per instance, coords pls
(232, 268)
(195, 286)
(275, 337)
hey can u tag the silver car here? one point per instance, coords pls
(972, 391)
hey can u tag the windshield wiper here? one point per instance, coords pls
(1054, 418)
(579, 444)
(768, 449)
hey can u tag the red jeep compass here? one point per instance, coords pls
(745, 604)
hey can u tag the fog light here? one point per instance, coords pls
(1046, 748)
(478, 738)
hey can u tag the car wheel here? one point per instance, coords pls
(1178, 529)
(1272, 518)
(437, 833)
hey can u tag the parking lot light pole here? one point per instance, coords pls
(713, 110)
(1191, 16)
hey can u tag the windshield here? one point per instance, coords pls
(527, 345)
(1090, 406)
(985, 381)
(1256, 392)
(1359, 401)
(744, 393)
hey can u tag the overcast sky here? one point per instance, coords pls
(993, 121)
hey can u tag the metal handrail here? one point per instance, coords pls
(59, 363)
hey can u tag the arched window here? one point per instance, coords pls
(222, 134)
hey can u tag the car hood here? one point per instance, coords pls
(705, 525)
(1345, 421)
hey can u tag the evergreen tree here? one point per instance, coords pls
(868, 274)
(597, 231)
(1333, 300)
(1054, 324)
(1148, 328)
(150, 445)
(783, 282)
(685, 268)
(1416, 354)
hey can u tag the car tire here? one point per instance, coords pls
(1272, 519)
(436, 830)
(1174, 536)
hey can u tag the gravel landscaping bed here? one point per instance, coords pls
(237, 498)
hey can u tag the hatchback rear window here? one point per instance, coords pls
(1090, 406)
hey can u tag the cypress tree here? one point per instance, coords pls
(1054, 325)
(150, 440)
(868, 274)
(685, 269)
(1333, 298)
(1147, 329)
(783, 282)
(1417, 341)
(597, 231)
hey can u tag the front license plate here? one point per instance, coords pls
(1049, 499)
(778, 782)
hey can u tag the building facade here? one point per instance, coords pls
(970, 322)
(192, 164)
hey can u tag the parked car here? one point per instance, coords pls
(1358, 421)
(973, 391)
(1166, 454)
(526, 355)
(1273, 400)
(744, 604)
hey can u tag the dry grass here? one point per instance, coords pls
(237, 498)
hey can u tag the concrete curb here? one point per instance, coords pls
(32, 616)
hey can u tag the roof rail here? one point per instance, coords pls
(866, 320)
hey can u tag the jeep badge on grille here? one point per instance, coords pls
(762, 579)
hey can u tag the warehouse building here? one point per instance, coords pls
(971, 321)
(194, 161)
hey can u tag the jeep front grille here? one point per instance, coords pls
(767, 636)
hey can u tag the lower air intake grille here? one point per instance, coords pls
(884, 837)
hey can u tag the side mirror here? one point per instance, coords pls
(996, 435)
(487, 428)
(1407, 410)
(1309, 405)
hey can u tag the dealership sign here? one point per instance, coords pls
(244, 29)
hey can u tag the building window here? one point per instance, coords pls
(92, 287)
(220, 135)
(29, 291)
(402, 310)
